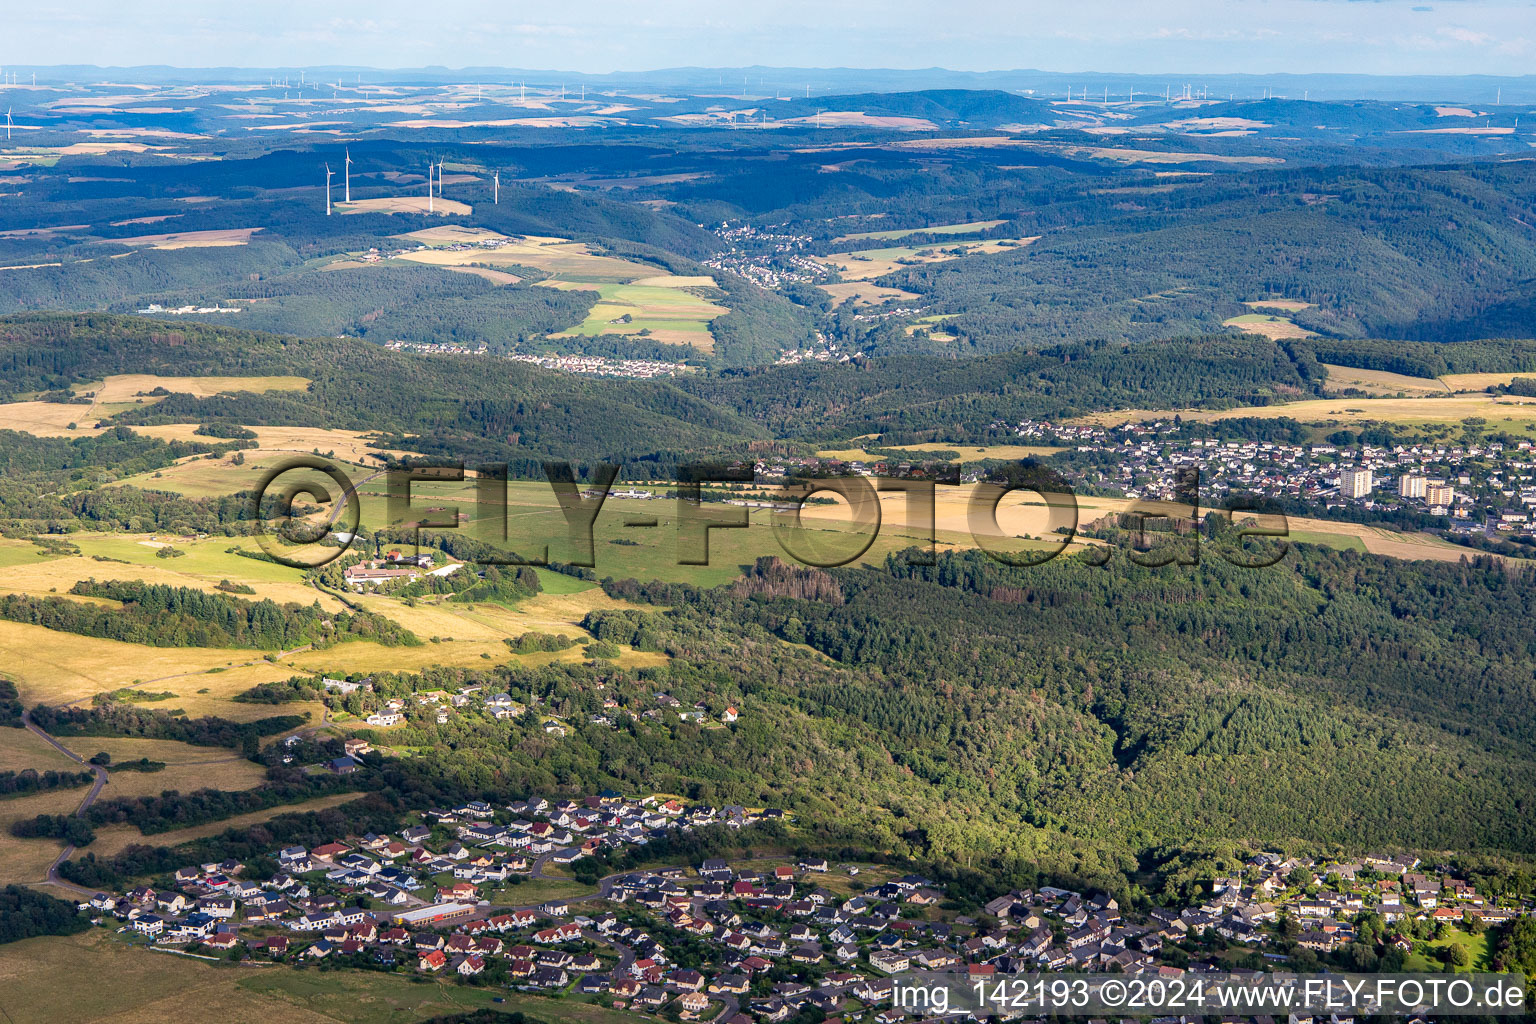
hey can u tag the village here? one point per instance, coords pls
(1488, 486)
(743, 940)
(596, 366)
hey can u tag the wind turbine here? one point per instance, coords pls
(348, 175)
(439, 179)
(496, 189)
(328, 173)
(7, 124)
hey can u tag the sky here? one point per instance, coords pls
(1437, 37)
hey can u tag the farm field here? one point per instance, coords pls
(52, 419)
(534, 521)
(27, 860)
(347, 445)
(1268, 325)
(1336, 541)
(23, 749)
(1382, 382)
(186, 767)
(667, 312)
(1291, 305)
(62, 668)
(1479, 381)
(937, 229)
(566, 260)
(658, 303)
(866, 293)
(203, 565)
(995, 451)
(190, 239)
(865, 264)
(1506, 413)
(931, 324)
(131, 387)
(41, 981)
(113, 839)
(963, 453)
(17, 552)
(406, 204)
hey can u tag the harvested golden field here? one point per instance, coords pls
(1290, 305)
(23, 749)
(1379, 540)
(52, 419)
(48, 419)
(1479, 381)
(406, 204)
(963, 453)
(937, 229)
(200, 477)
(995, 451)
(865, 293)
(1024, 515)
(1382, 382)
(346, 445)
(1141, 156)
(450, 234)
(60, 668)
(866, 264)
(129, 387)
(1275, 327)
(1124, 155)
(493, 276)
(364, 656)
(58, 575)
(27, 860)
(187, 767)
(1508, 412)
(1019, 514)
(191, 239)
(568, 261)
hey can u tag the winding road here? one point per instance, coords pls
(52, 877)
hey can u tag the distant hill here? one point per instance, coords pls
(977, 108)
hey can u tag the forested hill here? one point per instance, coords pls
(913, 393)
(1334, 698)
(476, 406)
(468, 406)
(1429, 253)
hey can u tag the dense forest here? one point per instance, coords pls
(1111, 724)
(25, 913)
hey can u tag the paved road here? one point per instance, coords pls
(538, 867)
(90, 798)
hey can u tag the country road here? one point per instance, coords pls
(52, 877)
